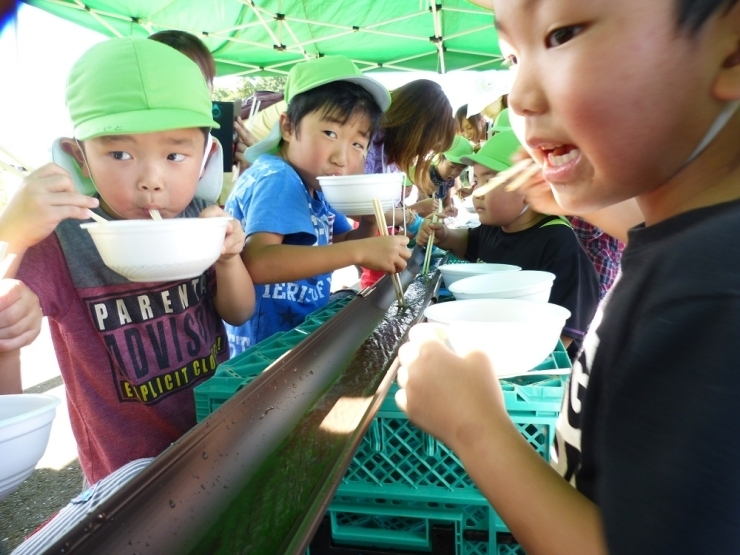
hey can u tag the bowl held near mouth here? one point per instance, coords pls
(159, 250)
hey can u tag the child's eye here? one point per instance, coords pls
(175, 157)
(120, 155)
(331, 134)
(560, 36)
(361, 146)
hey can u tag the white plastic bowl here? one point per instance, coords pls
(516, 335)
(25, 424)
(159, 250)
(528, 285)
(454, 272)
(353, 195)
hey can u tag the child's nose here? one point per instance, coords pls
(150, 180)
(339, 155)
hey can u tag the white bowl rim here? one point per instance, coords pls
(51, 403)
(163, 224)
(546, 278)
(362, 178)
(552, 312)
(461, 268)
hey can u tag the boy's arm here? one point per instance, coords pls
(270, 261)
(45, 198)
(460, 402)
(234, 300)
(367, 228)
(455, 240)
(20, 323)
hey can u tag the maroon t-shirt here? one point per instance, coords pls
(129, 353)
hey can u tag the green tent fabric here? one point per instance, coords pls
(267, 37)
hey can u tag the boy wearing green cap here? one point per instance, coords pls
(129, 353)
(512, 233)
(445, 172)
(295, 239)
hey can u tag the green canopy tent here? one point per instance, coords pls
(267, 37)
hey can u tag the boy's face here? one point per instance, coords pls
(137, 173)
(324, 146)
(609, 96)
(497, 207)
(449, 170)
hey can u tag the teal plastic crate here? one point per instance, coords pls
(381, 523)
(410, 477)
(232, 375)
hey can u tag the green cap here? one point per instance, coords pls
(460, 147)
(314, 73)
(496, 152)
(501, 123)
(127, 86)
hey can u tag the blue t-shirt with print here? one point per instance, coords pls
(271, 198)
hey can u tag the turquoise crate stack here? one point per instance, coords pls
(402, 482)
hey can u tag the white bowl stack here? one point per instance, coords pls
(159, 250)
(352, 195)
(455, 272)
(25, 424)
(525, 285)
(515, 335)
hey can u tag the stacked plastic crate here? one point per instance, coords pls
(403, 482)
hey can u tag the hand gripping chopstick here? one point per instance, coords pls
(520, 173)
(383, 227)
(430, 242)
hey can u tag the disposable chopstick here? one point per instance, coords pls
(430, 242)
(505, 176)
(383, 226)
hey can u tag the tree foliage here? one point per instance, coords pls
(247, 86)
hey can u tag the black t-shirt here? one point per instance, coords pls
(660, 432)
(550, 246)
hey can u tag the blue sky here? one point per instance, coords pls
(37, 52)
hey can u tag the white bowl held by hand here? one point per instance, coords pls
(159, 250)
(25, 424)
(529, 285)
(515, 335)
(352, 195)
(454, 272)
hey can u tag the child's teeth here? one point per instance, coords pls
(564, 159)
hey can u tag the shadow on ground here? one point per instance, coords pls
(35, 501)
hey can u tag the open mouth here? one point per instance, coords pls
(561, 155)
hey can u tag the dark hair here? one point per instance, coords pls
(476, 121)
(419, 124)
(692, 14)
(193, 48)
(338, 100)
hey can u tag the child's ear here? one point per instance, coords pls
(212, 149)
(286, 127)
(727, 84)
(72, 147)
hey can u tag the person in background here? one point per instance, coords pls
(648, 434)
(473, 128)
(445, 173)
(193, 48)
(129, 353)
(295, 239)
(20, 324)
(512, 233)
(418, 124)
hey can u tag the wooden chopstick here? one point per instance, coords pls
(383, 226)
(505, 176)
(430, 241)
